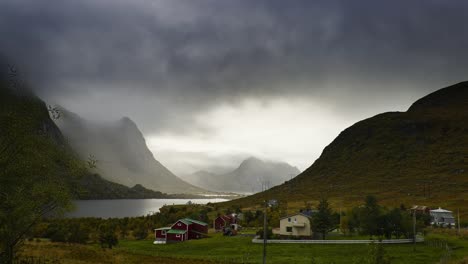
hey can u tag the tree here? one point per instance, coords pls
(78, 233)
(370, 217)
(248, 218)
(107, 236)
(25, 197)
(33, 170)
(322, 221)
(140, 232)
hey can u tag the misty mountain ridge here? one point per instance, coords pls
(415, 157)
(27, 127)
(251, 175)
(121, 153)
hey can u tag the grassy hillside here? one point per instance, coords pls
(414, 157)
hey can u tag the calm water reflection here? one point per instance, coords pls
(127, 208)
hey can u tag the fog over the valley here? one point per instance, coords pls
(212, 82)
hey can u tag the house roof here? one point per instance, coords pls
(419, 207)
(176, 231)
(185, 221)
(195, 221)
(440, 210)
(225, 217)
(308, 216)
(163, 228)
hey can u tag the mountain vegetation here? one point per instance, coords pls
(120, 152)
(252, 175)
(415, 157)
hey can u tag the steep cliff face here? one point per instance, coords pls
(121, 153)
(414, 157)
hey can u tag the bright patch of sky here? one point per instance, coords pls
(294, 131)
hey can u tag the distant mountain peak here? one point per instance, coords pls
(127, 121)
(247, 177)
(251, 161)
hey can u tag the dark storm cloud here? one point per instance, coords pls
(194, 54)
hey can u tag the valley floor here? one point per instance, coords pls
(219, 249)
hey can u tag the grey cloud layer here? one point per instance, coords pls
(198, 53)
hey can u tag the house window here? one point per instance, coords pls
(289, 219)
(179, 224)
(289, 229)
(163, 232)
(177, 235)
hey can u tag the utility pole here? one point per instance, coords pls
(265, 232)
(414, 230)
(268, 203)
(340, 204)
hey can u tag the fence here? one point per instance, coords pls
(363, 241)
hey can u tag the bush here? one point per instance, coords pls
(140, 233)
(269, 233)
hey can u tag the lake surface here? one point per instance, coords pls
(128, 207)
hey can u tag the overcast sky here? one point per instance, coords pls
(210, 82)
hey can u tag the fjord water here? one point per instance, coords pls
(128, 207)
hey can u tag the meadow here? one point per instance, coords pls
(439, 248)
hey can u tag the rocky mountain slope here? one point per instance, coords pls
(415, 157)
(120, 152)
(249, 177)
(30, 142)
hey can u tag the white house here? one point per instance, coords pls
(442, 217)
(297, 225)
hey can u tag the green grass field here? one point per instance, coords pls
(242, 250)
(219, 249)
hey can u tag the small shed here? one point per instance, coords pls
(160, 235)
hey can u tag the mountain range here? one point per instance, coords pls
(251, 176)
(120, 153)
(415, 157)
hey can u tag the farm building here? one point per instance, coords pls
(420, 209)
(298, 225)
(223, 221)
(442, 217)
(160, 235)
(183, 229)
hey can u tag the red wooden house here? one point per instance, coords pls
(183, 229)
(224, 221)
